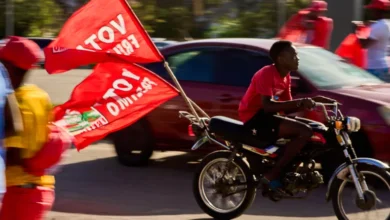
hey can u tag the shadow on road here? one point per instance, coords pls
(103, 187)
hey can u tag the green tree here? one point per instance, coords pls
(172, 20)
(33, 17)
(146, 12)
(256, 19)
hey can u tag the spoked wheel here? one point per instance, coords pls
(223, 196)
(376, 204)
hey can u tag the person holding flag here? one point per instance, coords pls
(30, 153)
(309, 26)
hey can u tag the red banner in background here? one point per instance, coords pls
(113, 97)
(100, 31)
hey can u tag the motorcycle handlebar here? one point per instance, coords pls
(327, 104)
(324, 105)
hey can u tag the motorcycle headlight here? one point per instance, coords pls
(352, 124)
(384, 111)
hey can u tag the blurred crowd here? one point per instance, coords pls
(365, 47)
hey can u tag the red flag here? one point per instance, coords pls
(113, 97)
(100, 31)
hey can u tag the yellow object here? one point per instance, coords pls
(35, 107)
(339, 125)
(340, 139)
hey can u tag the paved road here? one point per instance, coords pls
(93, 185)
(59, 86)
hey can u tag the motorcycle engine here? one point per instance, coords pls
(297, 182)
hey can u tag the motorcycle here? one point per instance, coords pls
(234, 172)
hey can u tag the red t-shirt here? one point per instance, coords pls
(267, 82)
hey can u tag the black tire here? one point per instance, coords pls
(334, 189)
(251, 187)
(136, 137)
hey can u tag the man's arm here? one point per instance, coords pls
(376, 31)
(270, 105)
(366, 42)
(286, 96)
(263, 82)
(292, 106)
(288, 105)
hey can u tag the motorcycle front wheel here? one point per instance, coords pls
(224, 196)
(376, 204)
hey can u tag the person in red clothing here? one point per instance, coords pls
(351, 49)
(34, 151)
(309, 26)
(268, 95)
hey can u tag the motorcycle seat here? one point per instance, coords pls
(234, 131)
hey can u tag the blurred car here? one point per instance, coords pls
(162, 42)
(215, 73)
(3, 42)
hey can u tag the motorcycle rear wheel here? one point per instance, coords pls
(227, 209)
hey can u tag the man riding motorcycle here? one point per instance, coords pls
(268, 96)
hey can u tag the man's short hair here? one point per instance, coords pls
(277, 48)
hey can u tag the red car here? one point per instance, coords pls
(215, 73)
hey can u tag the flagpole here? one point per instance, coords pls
(183, 94)
(199, 108)
(188, 101)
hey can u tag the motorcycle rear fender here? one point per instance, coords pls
(342, 171)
